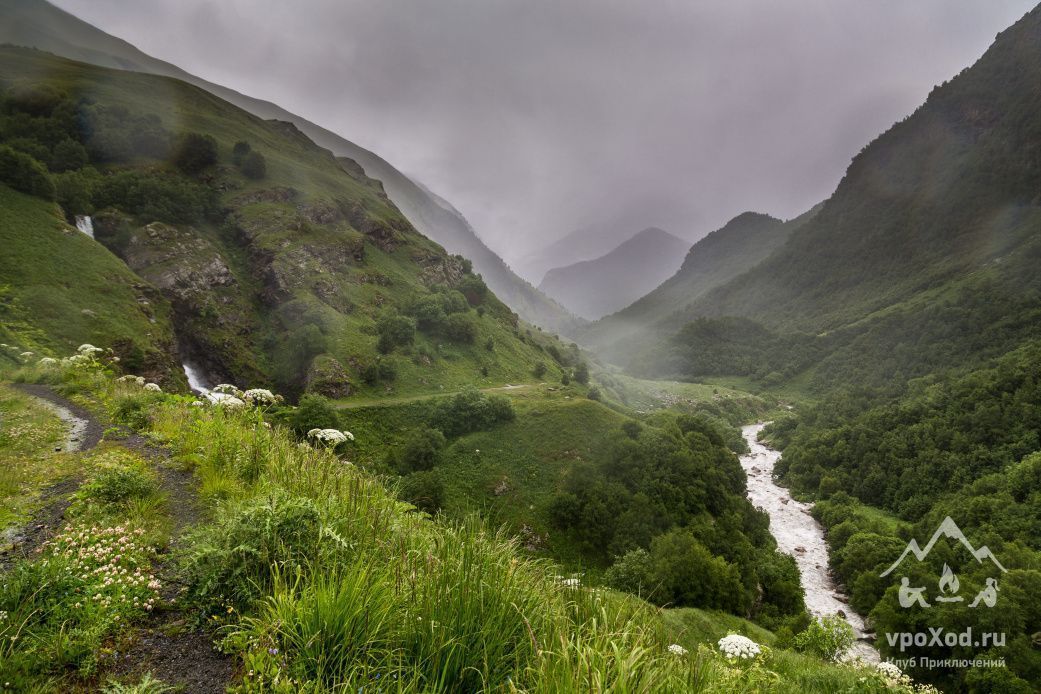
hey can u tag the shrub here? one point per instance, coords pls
(234, 560)
(582, 373)
(314, 412)
(826, 637)
(254, 166)
(424, 490)
(539, 370)
(22, 172)
(117, 484)
(68, 155)
(631, 573)
(421, 451)
(395, 330)
(132, 410)
(594, 394)
(239, 151)
(632, 429)
(461, 328)
(193, 152)
(470, 410)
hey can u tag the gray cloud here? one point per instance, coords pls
(535, 117)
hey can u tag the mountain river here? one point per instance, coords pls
(800, 535)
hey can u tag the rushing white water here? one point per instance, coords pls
(85, 224)
(196, 380)
(801, 536)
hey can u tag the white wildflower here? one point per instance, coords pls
(198, 403)
(89, 350)
(259, 396)
(153, 388)
(573, 582)
(890, 672)
(677, 649)
(737, 646)
(227, 389)
(331, 437)
(231, 402)
(27, 355)
(48, 361)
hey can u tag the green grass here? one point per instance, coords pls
(60, 289)
(28, 461)
(320, 578)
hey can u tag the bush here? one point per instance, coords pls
(395, 330)
(254, 166)
(539, 370)
(421, 451)
(470, 410)
(826, 637)
(114, 485)
(594, 394)
(424, 490)
(235, 559)
(314, 412)
(68, 155)
(193, 152)
(23, 173)
(460, 328)
(582, 373)
(132, 410)
(631, 573)
(632, 429)
(239, 151)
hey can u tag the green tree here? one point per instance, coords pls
(395, 330)
(22, 172)
(314, 412)
(254, 166)
(68, 155)
(421, 451)
(193, 152)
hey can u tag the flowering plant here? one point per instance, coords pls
(737, 647)
(330, 437)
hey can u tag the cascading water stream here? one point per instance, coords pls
(85, 224)
(800, 535)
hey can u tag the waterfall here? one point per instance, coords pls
(85, 224)
(195, 379)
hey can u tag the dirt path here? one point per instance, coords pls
(163, 645)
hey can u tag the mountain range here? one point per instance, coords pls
(594, 288)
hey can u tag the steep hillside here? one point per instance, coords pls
(943, 193)
(39, 24)
(721, 256)
(281, 264)
(594, 288)
(60, 289)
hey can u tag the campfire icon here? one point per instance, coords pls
(949, 585)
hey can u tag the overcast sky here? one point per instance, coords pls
(535, 117)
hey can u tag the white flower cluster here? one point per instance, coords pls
(112, 565)
(26, 355)
(260, 396)
(677, 649)
(736, 646)
(48, 361)
(139, 380)
(571, 582)
(330, 437)
(229, 401)
(891, 672)
(153, 388)
(89, 350)
(227, 389)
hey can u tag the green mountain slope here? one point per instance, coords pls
(943, 193)
(291, 275)
(60, 289)
(39, 24)
(596, 287)
(714, 260)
